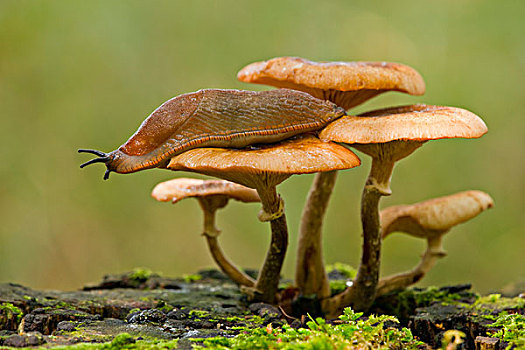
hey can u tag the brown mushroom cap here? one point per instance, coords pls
(429, 220)
(435, 216)
(178, 189)
(414, 122)
(388, 135)
(270, 163)
(345, 83)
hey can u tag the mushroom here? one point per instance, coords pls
(388, 135)
(347, 84)
(429, 220)
(212, 195)
(263, 168)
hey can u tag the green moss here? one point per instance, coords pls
(64, 305)
(199, 314)
(493, 301)
(511, 329)
(257, 320)
(85, 336)
(429, 295)
(124, 341)
(163, 306)
(403, 303)
(370, 333)
(51, 303)
(140, 274)
(337, 286)
(10, 310)
(235, 319)
(191, 278)
(347, 270)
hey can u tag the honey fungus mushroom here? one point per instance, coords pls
(347, 84)
(389, 135)
(212, 195)
(429, 220)
(263, 168)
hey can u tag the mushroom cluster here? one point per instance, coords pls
(254, 141)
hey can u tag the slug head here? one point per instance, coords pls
(105, 158)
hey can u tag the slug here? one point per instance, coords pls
(217, 118)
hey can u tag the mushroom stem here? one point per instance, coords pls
(310, 273)
(377, 185)
(211, 232)
(368, 273)
(402, 280)
(362, 293)
(363, 290)
(380, 175)
(236, 275)
(268, 280)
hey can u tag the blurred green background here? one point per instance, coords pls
(84, 74)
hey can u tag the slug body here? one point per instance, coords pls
(217, 118)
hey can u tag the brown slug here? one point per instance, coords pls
(217, 118)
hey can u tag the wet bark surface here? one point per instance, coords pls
(162, 308)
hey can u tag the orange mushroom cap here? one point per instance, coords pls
(345, 83)
(435, 216)
(271, 164)
(409, 123)
(391, 134)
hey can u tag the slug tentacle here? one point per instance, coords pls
(93, 151)
(96, 160)
(103, 158)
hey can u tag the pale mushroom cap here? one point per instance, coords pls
(413, 122)
(343, 76)
(301, 155)
(178, 189)
(345, 83)
(435, 216)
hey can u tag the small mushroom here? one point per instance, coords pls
(429, 220)
(346, 84)
(212, 195)
(388, 135)
(263, 168)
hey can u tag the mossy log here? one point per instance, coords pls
(149, 308)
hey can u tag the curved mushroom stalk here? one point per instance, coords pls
(310, 272)
(402, 280)
(430, 220)
(389, 135)
(263, 169)
(211, 233)
(212, 195)
(347, 84)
